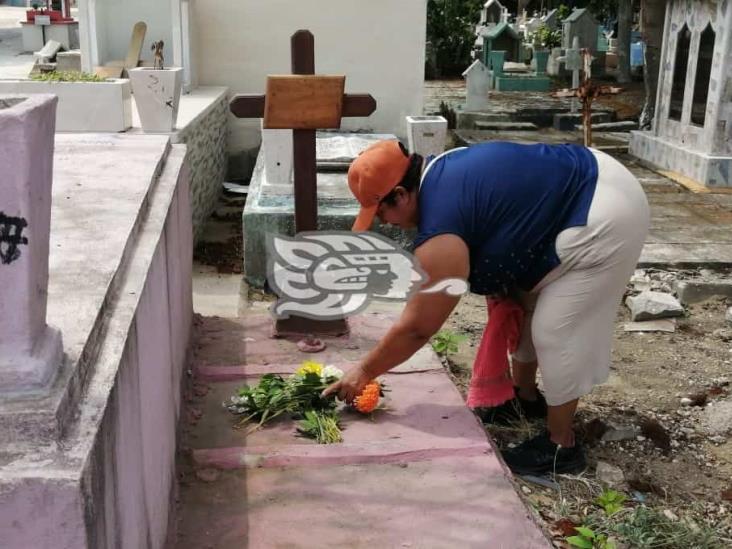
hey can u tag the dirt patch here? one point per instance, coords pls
(627, 104)
(221, 244)
(658, 381)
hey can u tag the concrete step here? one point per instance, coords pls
(624, 126)
(505, 126)
(567, 121)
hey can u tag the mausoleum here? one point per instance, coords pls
(692, 127)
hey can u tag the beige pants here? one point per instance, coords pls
(571, 313)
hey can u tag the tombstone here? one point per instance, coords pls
(477, 84)
(533, 25)
(502, 37)
(555, 64)
(30, 350)
(551, 20)
(582, 24)
(492, 13)
(692, 127)
(572, 60)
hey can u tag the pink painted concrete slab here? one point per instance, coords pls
(228, 342)
(419, 473)
(455, 502)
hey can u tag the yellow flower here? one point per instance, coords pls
(309, 367)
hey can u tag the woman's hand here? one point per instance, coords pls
(350, 385)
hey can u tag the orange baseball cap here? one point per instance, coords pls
(373, 175)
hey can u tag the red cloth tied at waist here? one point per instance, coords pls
(491, 383)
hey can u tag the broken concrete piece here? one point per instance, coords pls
(725, 334)
(696, 291)
(49, 51)
(653, 305)
(620, 432)
(667, 325)
(717, 418)
(609, 474)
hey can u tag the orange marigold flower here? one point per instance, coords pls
(367, 401)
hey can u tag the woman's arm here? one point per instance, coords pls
(444, 256)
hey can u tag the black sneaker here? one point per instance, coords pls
(539, 456)
(513, 410)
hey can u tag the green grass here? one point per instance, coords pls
(67, 76)
(647, 528)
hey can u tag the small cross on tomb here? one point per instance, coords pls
(573, 62)
(587, 92)
(304, 102)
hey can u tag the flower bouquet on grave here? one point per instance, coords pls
(299, 396)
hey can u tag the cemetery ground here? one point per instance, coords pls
(662, 398)
(657, 431)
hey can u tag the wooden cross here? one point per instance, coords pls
(304, 103)
(587, 92)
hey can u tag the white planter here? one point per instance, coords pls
(157, 95)
(83, 106)
(426, 134)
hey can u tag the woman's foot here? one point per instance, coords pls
(514, 409)
(540, 456)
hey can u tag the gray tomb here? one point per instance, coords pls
(582, 24)
(692, 127)
(270, 206)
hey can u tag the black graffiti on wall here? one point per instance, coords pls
(11, 236)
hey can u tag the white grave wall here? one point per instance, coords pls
(379, 45)
(114, 22)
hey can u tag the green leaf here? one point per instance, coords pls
(577, 541)
(585, 532)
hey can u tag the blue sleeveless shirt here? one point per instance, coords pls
(508, 202)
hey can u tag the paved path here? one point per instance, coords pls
(14, 63)
(420, 474)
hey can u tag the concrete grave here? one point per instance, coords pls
(83, 106)
(270, 205)
(551, 19)
(30, 350)
(492, 13)
(91, 463)
(583, 25)
(502, 37)
(692, 126)
(478, 81)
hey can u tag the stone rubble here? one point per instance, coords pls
(717, 418)
(650, 305)
(610, 474)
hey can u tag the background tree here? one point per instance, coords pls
(451, 34)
